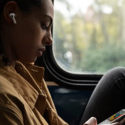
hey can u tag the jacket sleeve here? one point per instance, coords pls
(9, 116)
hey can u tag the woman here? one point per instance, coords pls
(25, 31)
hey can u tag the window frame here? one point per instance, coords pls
(53, 72)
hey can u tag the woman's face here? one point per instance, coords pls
(32, 33)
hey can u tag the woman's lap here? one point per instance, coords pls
(108, 96)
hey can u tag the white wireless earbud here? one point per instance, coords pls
(12, 15)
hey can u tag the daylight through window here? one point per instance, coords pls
(89, 35)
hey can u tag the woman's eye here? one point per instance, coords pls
(44, 27)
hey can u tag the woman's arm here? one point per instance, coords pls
(8, 116)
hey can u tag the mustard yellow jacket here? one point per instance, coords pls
(24, 96)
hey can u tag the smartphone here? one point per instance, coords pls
(114, 118)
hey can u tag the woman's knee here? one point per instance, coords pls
(116, 73)
(112, 75)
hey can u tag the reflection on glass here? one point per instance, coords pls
(89, 35)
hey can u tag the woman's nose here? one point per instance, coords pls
(48, 39)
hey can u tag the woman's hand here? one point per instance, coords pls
(93, 121)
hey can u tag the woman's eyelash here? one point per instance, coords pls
(44, 26)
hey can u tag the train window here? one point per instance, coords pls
(89, 35)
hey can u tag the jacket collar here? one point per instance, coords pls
(33, 74)
(24, 79)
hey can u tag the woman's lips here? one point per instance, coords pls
(40, 52)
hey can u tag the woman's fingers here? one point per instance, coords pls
(122, 122)
(91, 121)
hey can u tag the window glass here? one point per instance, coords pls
(89, 35)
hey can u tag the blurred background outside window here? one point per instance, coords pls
(89, 35)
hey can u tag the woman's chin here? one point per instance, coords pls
(29, 60)
(33, 60)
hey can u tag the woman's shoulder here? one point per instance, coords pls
(5, 85)
(8, 94)
(10, 102)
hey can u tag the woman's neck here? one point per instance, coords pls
(8, 53)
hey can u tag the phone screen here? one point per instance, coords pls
(114, 117)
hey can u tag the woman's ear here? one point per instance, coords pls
(10, 8)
